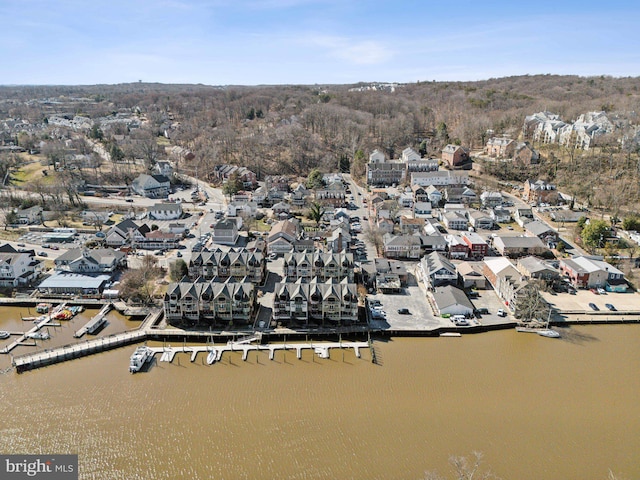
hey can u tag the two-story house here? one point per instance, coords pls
(91, 261)
(165, 211)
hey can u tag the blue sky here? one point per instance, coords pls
(251, 42)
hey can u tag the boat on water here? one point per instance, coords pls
(322, 352)
(212, 357)
(139, 357)
(4, 334)
(43, 307)
(42, 335)
(549, 333)
(541, 329)
(450, 334)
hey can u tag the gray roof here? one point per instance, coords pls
(519, 242)
(449, 295)
(436, 261)
(538, 228)
(166, 207)
(97, 255)
(74, 280)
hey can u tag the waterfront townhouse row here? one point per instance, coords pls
(326, 303)
(321, 265)
(226, 303)
(236, 265)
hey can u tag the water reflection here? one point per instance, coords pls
(536, 407)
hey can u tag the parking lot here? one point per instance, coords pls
(579, 303)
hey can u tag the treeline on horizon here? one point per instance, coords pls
(291, 129)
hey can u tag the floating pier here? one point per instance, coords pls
(321, 349)
(69, 352)
(96, 322)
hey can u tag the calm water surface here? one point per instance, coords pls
(537, 408)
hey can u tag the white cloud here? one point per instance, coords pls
(361, 52)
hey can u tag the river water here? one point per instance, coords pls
(537, 408)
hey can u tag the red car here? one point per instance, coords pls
(594, 291)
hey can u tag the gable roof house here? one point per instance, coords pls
(506, 280)
(455, 221)
(470, 275)
(411, 225)
(478, 248)
(317, 302)
(333, 194)
(224, 303)
(455, 155)
(499, 147)
(540, 191)
(456, 246)
(379, 171)
(247, 177)
(218, 265)
(282, 237)
(319, 265)
(500, 215)
(532, 267)
(85, 260)
(436, 270)
(402, 246)
(491, 199)
(225, 232)
(435, 196)
(127, 232)
(17, 268)
(523, 216)
(30, 216)
(165, 211)
(422, 209)
(526, 155)
(151, 186)
(541, 230)
(480, 220)
(589, 272)
(452, 301)
(519, 246)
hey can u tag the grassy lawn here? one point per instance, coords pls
(11, 235)
(28, 171)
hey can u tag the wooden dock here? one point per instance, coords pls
(321, 349)
(69, 352)
(96, 322)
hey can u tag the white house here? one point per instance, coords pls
(85, 260)
(151, 186)
(17, 268)
(165, 211)
(452, 301)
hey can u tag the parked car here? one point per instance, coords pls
(610, 307)
(404, 311)
(21, 245)
(179, 254)
(594, 306)
(501, 313)
(130, 200)
(55, 247)
(594, 291)
(601, 291)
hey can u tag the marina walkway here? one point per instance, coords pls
(96, 322)
(215, 352)
(44, 321)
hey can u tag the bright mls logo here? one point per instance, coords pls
(50, 467)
